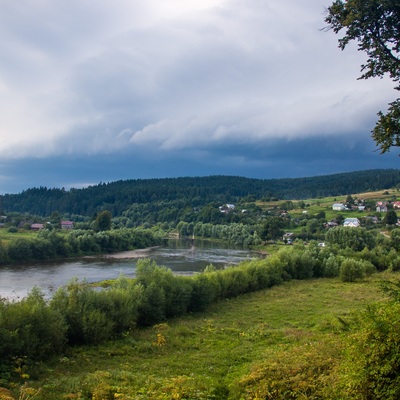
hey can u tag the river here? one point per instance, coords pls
(181, 256)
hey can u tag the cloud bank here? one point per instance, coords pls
(222, 82)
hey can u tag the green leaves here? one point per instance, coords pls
(375, 25)
(387, 130)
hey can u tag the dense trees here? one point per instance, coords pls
(169, 196)
(355, 238)
(103, 221)
(374, 24)
(52, 245)
(390, 218)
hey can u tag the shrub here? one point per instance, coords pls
(332, 266)
(83, 312)
(298, 264)
(205, 289)
(298, 373)
(372, 370)
(152, 307)
(30, 328)
(351, 270)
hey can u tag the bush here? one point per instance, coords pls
(152, 308)
(297, 264)
(30, 328)
(205, 289)
(298, 373)
(93, 316)
(332, 266)
(372, 370)
(351, 270)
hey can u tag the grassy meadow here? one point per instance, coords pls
(281, 343)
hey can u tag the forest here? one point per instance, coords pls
(118, 196)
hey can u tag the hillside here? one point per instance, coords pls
(193, 192)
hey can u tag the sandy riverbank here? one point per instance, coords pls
(130, 254)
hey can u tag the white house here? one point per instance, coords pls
(351, 222)
(338, 207)
(227, 208)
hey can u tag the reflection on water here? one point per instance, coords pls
(182, 256)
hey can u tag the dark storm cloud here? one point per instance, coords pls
(178, 88)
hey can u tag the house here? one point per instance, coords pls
(37, 227)
(331, 224)
(227, 208)
(288, 238)
(67, 225)
(351, 222)
(361, 208)
(396, 204)
(381, 207)
(372, 219)
(339, 207)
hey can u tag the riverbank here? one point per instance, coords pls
(129, 254)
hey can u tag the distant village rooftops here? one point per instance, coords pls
(339, 207)
(351, 222)
(37, 227)
(67, 225)
(226, 208)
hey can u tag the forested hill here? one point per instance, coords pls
(118, 196)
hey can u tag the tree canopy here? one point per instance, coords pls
(375, 25)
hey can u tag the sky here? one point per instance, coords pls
(102, 91)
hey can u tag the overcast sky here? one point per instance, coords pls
(101, 91)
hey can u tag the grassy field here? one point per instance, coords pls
(6, 237)
(290, 333)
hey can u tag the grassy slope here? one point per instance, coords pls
(209, 355)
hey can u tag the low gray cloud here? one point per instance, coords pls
(177, 80)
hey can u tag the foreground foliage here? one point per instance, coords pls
(287, 342)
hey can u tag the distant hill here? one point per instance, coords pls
(118, 196)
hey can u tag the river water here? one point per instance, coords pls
(181, 256)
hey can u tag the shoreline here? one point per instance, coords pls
(129, 254)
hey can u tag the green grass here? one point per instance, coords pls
(22, 233)
(218, 354)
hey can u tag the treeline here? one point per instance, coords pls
(235, 234)
(191, 192)
(50, 245)
(79, 314)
